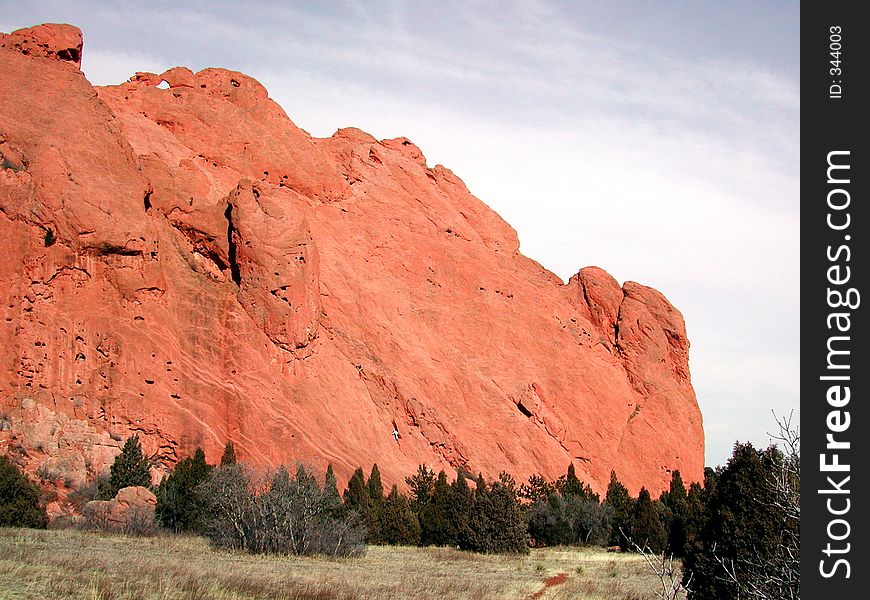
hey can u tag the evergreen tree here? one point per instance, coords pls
(229, 455)
(621, 505)
(571, 485)
(19, 499)
(330, 491)
(179, 506)
(538, 489)
(645, 528)
(399, 524)
(422, 487)
(459, 512)
(479, 517)
(357, 498)
(506, 528)
(130, 467)
(356, 495)
(376, 487)
(434, 518)
(675, 500)
(694, 519)
(744, 526)
(303, 478)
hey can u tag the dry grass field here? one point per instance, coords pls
(73, 564)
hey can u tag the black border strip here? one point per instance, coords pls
(834, 336)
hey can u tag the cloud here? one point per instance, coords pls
(109, 67)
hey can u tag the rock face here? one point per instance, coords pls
(188, 265)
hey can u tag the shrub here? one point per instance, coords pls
(276, 513)
(97, 488)
(569, 520)
(19, 499)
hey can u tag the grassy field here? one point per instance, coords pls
(73, 564)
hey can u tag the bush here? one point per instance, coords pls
(276, 513)
(19, 499)
(97, 488)
(569, 521)
(137, 521)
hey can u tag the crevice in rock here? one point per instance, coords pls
(616, 326)
(70, 54)
(526, 412)
(147, 200)
(107, 249)
(235, 272)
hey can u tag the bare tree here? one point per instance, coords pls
(666, 568)
(273, 512)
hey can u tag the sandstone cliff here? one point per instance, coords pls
(187, 264)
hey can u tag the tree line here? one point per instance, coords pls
(737, 533)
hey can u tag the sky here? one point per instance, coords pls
(657, 140)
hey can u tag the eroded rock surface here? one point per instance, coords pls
(188, 265)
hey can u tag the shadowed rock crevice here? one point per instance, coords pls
(235, 272)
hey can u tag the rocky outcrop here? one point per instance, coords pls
(131, 510)
(188, 265)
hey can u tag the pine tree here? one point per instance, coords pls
(398, 523)
(330, 490)
(357, 498)
(19, 499)
(505, 528)
(745, 527)
(435, 518)
(459, 513)
(422, 487)
(572, 485)
(621, 505)
(229, 455)
(675, 499)
(376, 487)
(179, 506)
(538, 489)
(130, 467)
(645, 528)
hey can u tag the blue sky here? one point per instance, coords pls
(657, 140)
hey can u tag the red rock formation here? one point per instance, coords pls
(187, 264)
(132, 507)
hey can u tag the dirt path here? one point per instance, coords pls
(548, 583)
